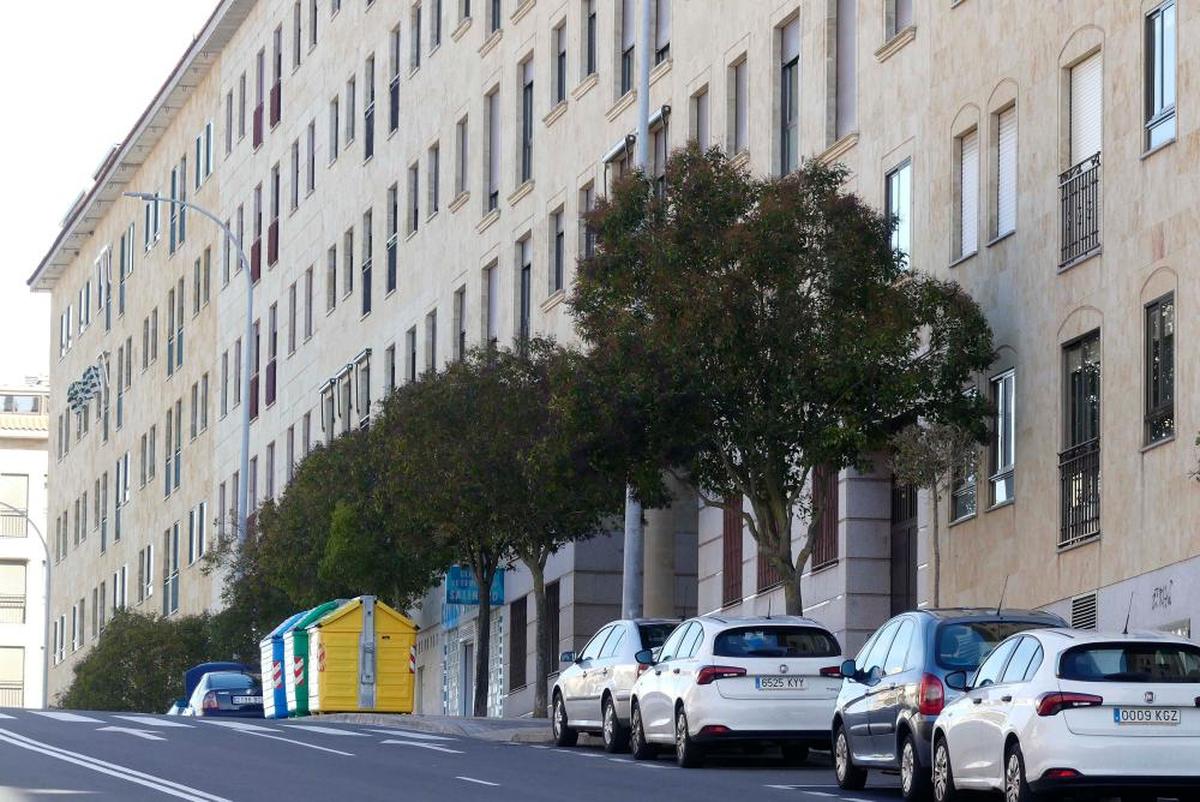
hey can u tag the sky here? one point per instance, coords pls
(75, 75)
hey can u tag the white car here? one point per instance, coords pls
(592, 693)
(721, 681)
(1055, 711)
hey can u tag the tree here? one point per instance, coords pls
(783, 325)
(928, 457)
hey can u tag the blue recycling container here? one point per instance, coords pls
(271, 652)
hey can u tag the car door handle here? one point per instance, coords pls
(675, 671)
(1006, 698)
(657, 671)
(583, 674)
(605, 672)
(977, 700)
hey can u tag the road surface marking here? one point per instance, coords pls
(420, 745)
(856, 799)
(112, 769)
(651, 765)
(418, 736)
(151, 721)
(239, 725)
(819, 793)
(619, 760)
(325, 730)
(538, 746)
(802, 788)
(60, 715)
(291, 741)
(145, 735)
(478, 782)
(6, 715)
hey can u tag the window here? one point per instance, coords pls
(331, 278)
(433, 171)
(789, 96)
(968, 191)
(992, 668)
(197, 532)
(431, 341)
(557, 252)
(517, 642)
(435, 26)
(368, 246)
(897, 655)
(410, 348)
(297, 15)
(899, 208)
(739, 87)
(228, 122)
(1160, 75)
(587, 235)
(589, 38)
(1004, 439)
(662, 31)
(460, 322)
(291, 334)
(224, 383)
(491, 302)
(525, 301)
(295, 196)
(526, 120)
(311, 150)
(308, 303)
(559, 38)
(290, 454)
(1006, 171)
(312, 23)
(731, 551)
(846, 69)
(393, 223)
(1025, 660)
(460, 158)
(1079, 463)
(899, 16)
(394, 79)
(270, 471)
(272, 351)
(492, 180)
(628, 38)
(699, 120)
(306, 434)
(414, 201)
(389, 367)
(241, 126)
(962, 490)
(170, 571)
(237, 372)
(334, 117)
(351, 105)
(494, 16)
(369, 107)
(348, 261)
(414, 59)
(1160, 369)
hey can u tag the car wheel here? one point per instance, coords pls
(687, 754)
(616, 736)
(637, 736)
(1016, 788)
(914, 778)
(563, 734)
(943, 774)
(794, 754)
(849, 776)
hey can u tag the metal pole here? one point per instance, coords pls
(45, 605)
(244, 470)
(633, 564)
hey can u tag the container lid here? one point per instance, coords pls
(381, 609)
(287, 624)
(317, 613)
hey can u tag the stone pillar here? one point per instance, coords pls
(668, 531)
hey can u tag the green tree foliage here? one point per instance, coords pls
(759, 328)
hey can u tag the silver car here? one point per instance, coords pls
(592, 693)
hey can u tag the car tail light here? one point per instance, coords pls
(931, 696)
(210, 701)
(1050, 704)
(1060, 774)
(834, 672)
(714, 729)
(708, 674)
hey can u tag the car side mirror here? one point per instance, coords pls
(957, 681)
(849, 670)
(645, 657)
(567, 657)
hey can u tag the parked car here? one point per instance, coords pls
(720, 681)
(227, 694)
(896, 687)
(1055, 712)
(592, 693)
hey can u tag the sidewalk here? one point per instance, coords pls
(515, 730)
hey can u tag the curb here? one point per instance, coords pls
(482, 729)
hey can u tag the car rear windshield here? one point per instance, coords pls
(962, 645)
(654, 635)
(780, 641)
(1131, 662)
(227, 681)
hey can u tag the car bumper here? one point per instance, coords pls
(232, 713)
(1113, 762)
(818, 739)
(805, 720)
(1182, 787)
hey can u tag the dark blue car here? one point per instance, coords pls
(227, 694)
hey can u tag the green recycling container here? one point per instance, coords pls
(295, 657)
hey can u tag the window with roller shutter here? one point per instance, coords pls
(731, 552)
(1006, 171)
(968, 201)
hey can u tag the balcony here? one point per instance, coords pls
(13, 524)
(1079, 190)
(272, 243)
(12, 608)
(276, 103)
(258, 126)
(256, 260)
(1079, 476)
(12, 694)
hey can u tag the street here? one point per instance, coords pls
(135, 757)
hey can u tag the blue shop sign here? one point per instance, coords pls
(461, 587)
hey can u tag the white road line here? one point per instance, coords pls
(651, 765)
(802, 788)
(6, 715)
(61, 715)
(856, 799)
(538, 746)
(257, 734)
(6, 792)
(151, 721)
(145, 735)
(239, 725)
(421, 745)
(416, 736)
(818, 793)
(325, 730)
(619, 760)
(478, 782)
(112, 769)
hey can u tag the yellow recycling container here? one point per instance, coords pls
(362, 659)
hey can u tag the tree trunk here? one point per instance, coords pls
(483, 640)
(541, 638)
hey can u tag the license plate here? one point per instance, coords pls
(779, 683)
(247, 700)
(1146, 715)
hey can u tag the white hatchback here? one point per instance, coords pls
(720, 681)
(1052, 712)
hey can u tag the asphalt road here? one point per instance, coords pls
(133, 757)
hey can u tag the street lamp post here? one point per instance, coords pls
(234, 243)
(45, 604)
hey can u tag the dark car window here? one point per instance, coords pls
(655, 635)
(614, 641)
(592, 650)
(1131, 662)
(775, 641)
(897, 655)
(989, 672)
(671, 647)
(879, 649)
(228, 681)
(962, 645)
(1028, 652)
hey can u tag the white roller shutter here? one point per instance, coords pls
(791, 41)
(1006, 172)
(494, 141)
(662, 34)
(969, 188)
(628, 24)
(1086, 108)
